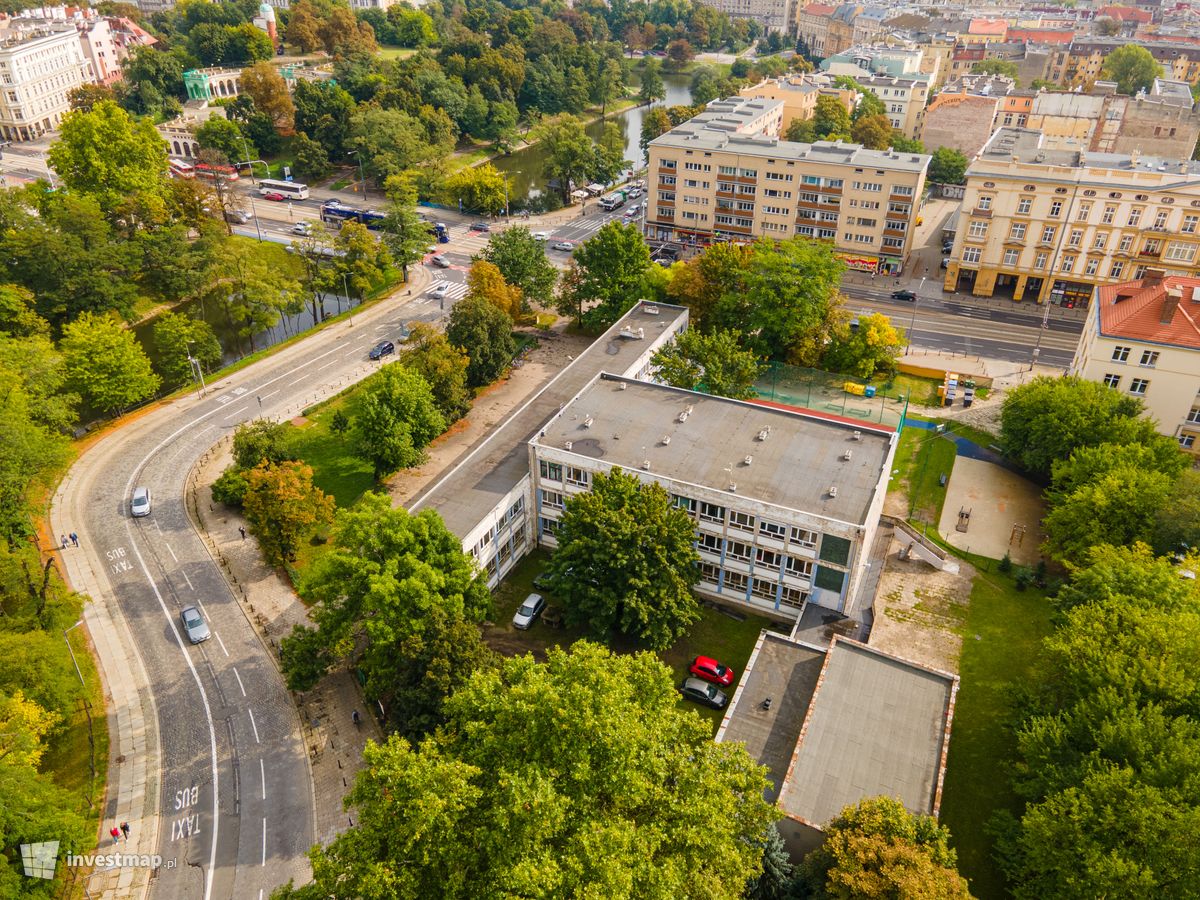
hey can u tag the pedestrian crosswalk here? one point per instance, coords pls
(455, 291)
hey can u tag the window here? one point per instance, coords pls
(1048, 234)
(1120, 354)
(737, 550)
(1138, 386)
(1135, 217)
(1116, 269)
(1017, 231)
(797, 598)
(577, 477)
(727, 170)
(1076, 238)
(772, 529)
(1126, 244)
(977, 229)
(1010, 257)
(709, 572)
(971, 254)
(1055, 209)
(768, 559)
(1068, 263)
(1179, 251)
(1186, 441)
(1110, 213)
(984, 202)
(1193, 415)
(1099, 241)
(710, 512)
(1112, 381)
(1093, 266)
(736, 582)
(763, 589)
(1149, 358)
(710, 543)
(799, 568)
(550, 471)
(1039, 261)
(1081, 214)
(552, 499)
(1023, 206)
(687, 504)
(1189, 224)
(803, 537)
(741, 520)
(1160, 218)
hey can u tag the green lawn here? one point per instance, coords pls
(1003, 634)
(920, 391)
(390, 52)
(337, 470)
(921, 459)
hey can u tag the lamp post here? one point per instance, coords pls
(71, 650)
(196, 370)
(349, 302)
(254, 212)
(87, 708)
(362, 179)
(913, 321)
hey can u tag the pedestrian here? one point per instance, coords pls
(125, 830)
(116, 834)
(64, 542)
(242, 530)
(74, 539)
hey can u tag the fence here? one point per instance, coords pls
(825, 392)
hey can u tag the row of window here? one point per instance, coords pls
(1149, 357)
(1137, 386)
(760, 556)
(1108, 215)
(552, 471)
(737, 582)
(1116, 268)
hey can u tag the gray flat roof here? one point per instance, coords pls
(693, 135)
(786, 672)
(1024, 145)
(876, 726)
(794, 467)
(481, 476)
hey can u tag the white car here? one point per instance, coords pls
(541, 235)
(140, 504)
(528, 611)
(304, 229)
(633, 211)
(440, 290)
(562, 245)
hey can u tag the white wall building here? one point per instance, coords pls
(40, 63)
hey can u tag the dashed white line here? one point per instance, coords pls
(172, 552)
(241, 686)
(267, 396)
(263, 772)
(253, 725)
(222, 643)
(236, 412)
(332, 362)
(188, 580)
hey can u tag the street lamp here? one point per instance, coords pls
(362, 179)
(196, 370)
(349, 302)
(913, 322)
(71, 650)
(254, 212)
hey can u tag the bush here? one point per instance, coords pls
(1023, 580)
(1006, 564)
(231, 487)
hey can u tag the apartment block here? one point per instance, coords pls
(773, 15)
(798, 94)
(709, 182)
(1079, 64)
(1143, 338)
(767, 540)
(41, 61)
(1053, 224)
(903, 100)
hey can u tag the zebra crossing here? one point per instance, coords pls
(455, 291)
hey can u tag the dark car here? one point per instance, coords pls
(480, 226)
(382, 349)
(906, 296)
(710, 670)
(274, 195)
(703, 693)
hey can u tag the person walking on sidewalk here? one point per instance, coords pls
(64, 542)
(242, 531)
(116, 834)
(74, 539)
(125, 831)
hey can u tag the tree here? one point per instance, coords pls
(429, 353)
(480, 189)
(606, 277)
(775, 882)
(263, 84)
(608, 85)
(948, 166)
(260, 441)
(901, 144)
(873, 132)
(106, 155)
(801, 131)
(105, 364)
(569, 153)
(1132, 67)
(226, 137)
(18, 316)
(283, 507)
(404, 232)
(385, 572)
(397, 418)
(626, 560)
(1177, 522)
(361, 260)
(177, 338)
(1004, 67)
(86, 96)
(714, 363)
(484, 282)
(247, 43)
(522, 261)
(251, 288)
(830, 118)
(877, 849)
(680, 53)
(303, 28)
(868, 348)
(654, 123)
(609, 155)
(603, 803)
(324, 111)
(311, 159)
(484, 332)
(391, 141)
(652, 88)
(1047, 418)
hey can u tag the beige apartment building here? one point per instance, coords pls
(903, 101)
(40, 63)
(710, 182)
(1143, 338)
(1053, 224)
(798, 94)
(774, 15)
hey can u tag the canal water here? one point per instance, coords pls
(524, 167)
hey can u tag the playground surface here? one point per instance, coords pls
(1005, 512)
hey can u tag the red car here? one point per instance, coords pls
(274, 195)
(710, 670)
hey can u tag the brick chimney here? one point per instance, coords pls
(1170, 303)
(1153, 277)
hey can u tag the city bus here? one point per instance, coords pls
(212, 173)
(293, 190)
(181, 169)
(333, 212)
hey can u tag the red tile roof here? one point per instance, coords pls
(818, 9)
(988, 26)
(1134, 310)
(1125, 14)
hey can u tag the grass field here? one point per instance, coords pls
(921, 459)
(389, 52)
(337, 470)
(1003, 633)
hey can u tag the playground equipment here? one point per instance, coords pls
(964, 519)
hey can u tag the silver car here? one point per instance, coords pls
(528, 611)
(194, 625)
(140, 504)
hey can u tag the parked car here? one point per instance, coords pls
(236, 217)
(710, 670)
(194, 625)
(440, 261)
(541, 235)
(945, 262)
(541, 581)
(480, 226)
(566, 246)
(634, 193)
(140, 504)
(906, 296)
(528, 611)
(702, 692)
(304, 229)
(947, 246)
(382, 349)
(275, 196)
(440, 289)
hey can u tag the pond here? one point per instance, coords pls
(524, 167)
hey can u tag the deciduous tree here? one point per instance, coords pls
(105, 364)
(260, 441)
(484, 332)
(522, 261)
(569, 152)
(263, 84)
(443, 365)
(179, 337)
(714, 363)
(830, 118)
(652, 88)
(397, 417)
(874, 132)
(864, 349)
(404, 232)
(283, 507)
(1132, 67)
(311, 159)
(480, 189)
(948, 166)
(790, 300)
(361, 258)
(607, 276)
(484, 282)
(1005, 67)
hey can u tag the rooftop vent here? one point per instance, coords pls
(645, 464)
(848, 455)
(732, 486)
(833, 490)
(666, 439)
(587, 423)
(764, 433)
(632, 334)
(622, 386)
(567, 445)
(749, 459)
(683, 416)
(857, 436)
(652, 310)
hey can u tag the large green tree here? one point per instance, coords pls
(180, 339)
(404, 232)
(443, 365)
(568, 152)
(1132, 67)
(484, 332)
(651, 88)
(714, 363)
(283, 507)
(616, 795)
(626, 561)
(482, 190)
(830, 118)
(864, 346)
(397, 417)
(105, 363)
(607, 275)
(107, 155)
(522, 261)
(948, 166)
(791, 299)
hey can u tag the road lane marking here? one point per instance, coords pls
(221, 642)
(241, 686)
(332, 362)
(236, 412)
(253, 725)
(172, 552)
(263, 772)
(158, 527)
(188, 580)
(264, 842)
(267, 396)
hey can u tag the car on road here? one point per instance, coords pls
(566, 246)
(906, 296)
(440, 261)
(382, 349)
(236, 217)
(440, 289)
(633, 210)
(139, 505)
(710, 670)
(479, 226)
(274, 196)
(304, 229)
(541, 235)
(947, 246)
(194, 625)
(702, 692)
(528, 611)
(634, 193)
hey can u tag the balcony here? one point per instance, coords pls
(982, 213)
